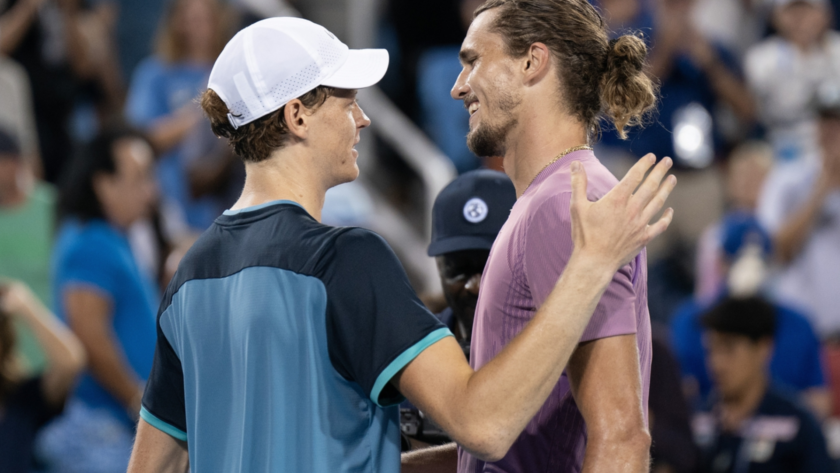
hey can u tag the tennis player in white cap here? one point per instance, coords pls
(285, 345)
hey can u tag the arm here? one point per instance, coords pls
(65, 356)
(168, 131)
(442, 459)
(792, 235)
(15, 23)
(485, 411)
(157, 452)
(89, 316)
(606, 384)
(726, 85)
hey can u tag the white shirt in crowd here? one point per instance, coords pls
(784, 81)
(812, 280)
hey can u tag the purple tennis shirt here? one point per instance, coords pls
(526, 260)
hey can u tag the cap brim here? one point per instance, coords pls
(460, 243)
(363, 68)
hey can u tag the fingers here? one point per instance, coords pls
(634, 176)
(578, 184)
(660, 226)
(657, 201)
(653, 182)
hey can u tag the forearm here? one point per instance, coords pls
(502, 397)
(157, 452)
(442, 459)
(731, 90)
(77, 50)
(791, 237)
(108, 367)
(169, 131)
(62, 349)
(14, 24)
(630, 454)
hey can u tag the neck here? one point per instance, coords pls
(284, 176)
(739, 407)
(12, 196)
(539, 137)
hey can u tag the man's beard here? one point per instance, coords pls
(488, 140)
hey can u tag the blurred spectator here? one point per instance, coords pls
(697, 78)
(746, 170)
(17, 113)
(785, 71)
(444, 119)
(46, 37)
(466, 218)
(796, 364)
(735, 24)
(162, 92)
(696, 75)
(215, 176)
(27, 216)
(672, 446)
(106, 300)
(133, 23)
(27, 404)
(800, 206)
(752, 426)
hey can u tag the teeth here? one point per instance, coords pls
(473, 107)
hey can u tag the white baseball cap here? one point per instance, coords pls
(276, 60)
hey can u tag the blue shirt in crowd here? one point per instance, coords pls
(159, 89)
(780, 437)
(277, 340)
(97, 256)
(796, 360)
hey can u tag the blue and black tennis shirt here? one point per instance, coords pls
(277, 339)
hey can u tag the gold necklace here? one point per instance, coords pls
(558, 158)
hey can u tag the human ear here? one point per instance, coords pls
(536, 63)
(297, 120)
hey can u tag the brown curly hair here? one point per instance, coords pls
(255, 141)
(598, 77)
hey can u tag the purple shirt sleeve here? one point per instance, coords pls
(548, 247)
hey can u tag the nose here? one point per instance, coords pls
(461, 88)
(473, 284)
(362, 120)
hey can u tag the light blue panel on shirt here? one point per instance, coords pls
(261, 392)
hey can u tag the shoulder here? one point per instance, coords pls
(553, 196)
(91, 241)
(793, 321)
(359, 239)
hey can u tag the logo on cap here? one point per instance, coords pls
(475, 210)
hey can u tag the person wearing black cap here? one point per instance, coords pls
(466, 218)
(752, 426)
(467, 215)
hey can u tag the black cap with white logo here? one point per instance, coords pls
(470, 211)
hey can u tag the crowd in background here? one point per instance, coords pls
(108, 172)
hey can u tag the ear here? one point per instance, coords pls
(297, 120)
(536, 63)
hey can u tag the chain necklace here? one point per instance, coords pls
(558, 158)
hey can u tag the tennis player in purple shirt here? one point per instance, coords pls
(537, 75)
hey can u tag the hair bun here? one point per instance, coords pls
(627, 93)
